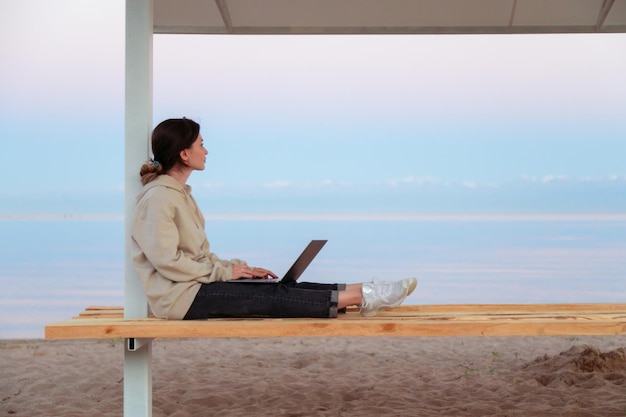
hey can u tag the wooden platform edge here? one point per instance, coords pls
(118, 311)
(424, 320)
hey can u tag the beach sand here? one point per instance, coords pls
(447, 376)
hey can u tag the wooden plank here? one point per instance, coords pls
(512, 307)
(439, 308)
(446, 311)
(100, 308)
(451, 320)
(273, 328)
(101, 314)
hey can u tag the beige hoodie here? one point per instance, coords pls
(170, 249)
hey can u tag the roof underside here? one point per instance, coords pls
(389, 16)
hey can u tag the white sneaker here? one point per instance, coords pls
(378, 295)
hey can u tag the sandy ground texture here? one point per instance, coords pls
(447, 376)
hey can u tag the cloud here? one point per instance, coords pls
(335, 183)
(547, 179)
(277, 184)
(550, 178)
(212, 185)
(528, 178)
(409, 183)
(411, 180)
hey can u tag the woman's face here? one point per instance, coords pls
(196, 154)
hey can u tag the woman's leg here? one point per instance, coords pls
(232, 299)
(351, 296)
(221, 299)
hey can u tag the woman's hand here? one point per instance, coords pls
(244, 271)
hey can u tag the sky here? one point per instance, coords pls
(316, 124)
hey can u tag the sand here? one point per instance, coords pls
(464, 376)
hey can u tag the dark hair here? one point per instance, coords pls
(169, 138)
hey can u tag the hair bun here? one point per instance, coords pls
(150, 170)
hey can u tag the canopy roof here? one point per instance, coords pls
(388, 16)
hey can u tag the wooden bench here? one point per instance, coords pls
(422, 320)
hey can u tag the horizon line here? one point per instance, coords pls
(413, 217)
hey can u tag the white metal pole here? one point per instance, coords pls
(138, 124)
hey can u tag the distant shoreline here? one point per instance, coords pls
(408, 217)
(61, 217)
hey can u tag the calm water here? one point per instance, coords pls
(51, 269)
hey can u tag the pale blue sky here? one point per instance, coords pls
(505, 123)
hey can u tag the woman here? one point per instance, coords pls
(183, 279)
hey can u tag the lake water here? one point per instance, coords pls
(50, 269)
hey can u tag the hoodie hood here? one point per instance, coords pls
(164, 181)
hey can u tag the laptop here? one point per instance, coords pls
(298, 267)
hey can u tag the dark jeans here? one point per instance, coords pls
(241, 299)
